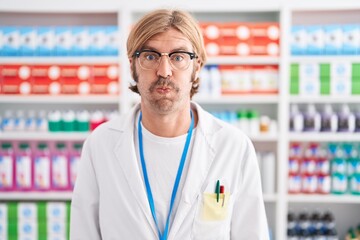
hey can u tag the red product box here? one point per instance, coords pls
(210, 31)
(75, 79)
(238, 30)
(16, 79)
(45, 79)
(264, 47)
(1, 81)
(105, 79)
(266, 30)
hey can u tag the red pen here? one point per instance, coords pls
(222, 191)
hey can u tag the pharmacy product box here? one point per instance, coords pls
(235, 79)
(98, 40)
(351, 39)
(56, 228)
(45, 79)
(11, 41)
(16, 79)
(355, 70)
(269, 31)
(1, 41)
(340, 86)
(81, 41)
(294, 87)
(316, 40)
(56, 211)
(75, 79)
(28, 41)
(310, 87)
(264, 47)
(333, 39)
(27, 211)
(63, 41)
(27, 229)
(355, 86)
(298, 39)
(46, 41)
(325, 85)
(212, 48)
(238, 30)
(265, 79)
(60, 170)
(309, 71)
(340, 69)
(105, 79)
(325, 70)
(112, 41)
(210, 30)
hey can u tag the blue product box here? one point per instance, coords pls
(315, 40)
(298, 40)
(351, 39)
(27, 41)
(63, 41)
(97, 40)
(333, 39)
(1, 41)
(45, 41)
(81, 41)
(11, 41)
(112, 41)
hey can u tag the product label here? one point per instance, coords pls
(23, 172)
(6, 171)
(74, 166)
(42, 173)
(59, 172)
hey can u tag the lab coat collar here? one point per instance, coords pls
(202, 156)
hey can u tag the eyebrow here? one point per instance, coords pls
(181, 49)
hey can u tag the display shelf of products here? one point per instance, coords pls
(61, 136)
(66, 99)
(330, 5)
(59, 60)
(318, 198)
(253, 60)
(324, 99)
(324, 137)
(239, 99)
(48, 195)
(263, 137)
(324, 59)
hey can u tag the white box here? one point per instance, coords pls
(333, 39)
(315, 40)
(27, 230)
(27, 211)
(98, 40)
(56, 211)
(28, 41)
(45, 41)
(11, 41)
(81, 41)
(298, 40)
(310, 87)
(351, 39)
(309, 71)
(56, 228)
(63, 41)
(340, 86)
(340, 69)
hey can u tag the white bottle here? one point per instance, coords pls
(346, 119)
(329, 120)
(296, 119)
(215, 77)
(204, 83)
(312, 119)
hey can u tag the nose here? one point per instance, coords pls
(164, 70)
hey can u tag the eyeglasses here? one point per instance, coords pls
(150, 59)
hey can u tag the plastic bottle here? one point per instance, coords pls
(42, 122)
(254, 122)
(23, 167)
(346, 119)
(20, 121)
(96, 118)
(60, 167)
(68, 121)
(296, 119)
(243, 121)
(74, 162)
(215, 77)
(7, 165)
(30, 121)
(357, 119)
(42, 167)
(204, 87)
(54, 121)
(312, 119)
(329, 120)
(269, 170)
(8, 121)
(82, 121)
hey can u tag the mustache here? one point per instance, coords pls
(162, 82)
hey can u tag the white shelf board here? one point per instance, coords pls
(324, 137)
(324, 58)
(59, 136)
(323, 5)
(23, 196)
(59, 60)
(324, 99)
(238, 99)
(317, 198)
(230, 60)
(46, 99)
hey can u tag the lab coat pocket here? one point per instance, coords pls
(212, 216)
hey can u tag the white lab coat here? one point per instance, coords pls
(109, 200)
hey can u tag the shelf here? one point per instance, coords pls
(324, 99)
(324, 137)
(61, 136)
(232, 60)
(317, 198)
(59, 60)
(238, 99)
(70, 99)
(324, 58)
(22, 196)
(324, 5)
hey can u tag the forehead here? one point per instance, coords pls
(169, 41)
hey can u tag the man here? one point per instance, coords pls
(168, 169)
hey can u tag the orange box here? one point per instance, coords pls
(237, 30)
(265, 30)
(210, 30)
(75, 79)
(45, 79)
(264, 47)
(105, 79)
(16, 79)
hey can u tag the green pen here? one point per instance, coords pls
(217, 190)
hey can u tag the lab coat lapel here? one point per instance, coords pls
(202, 157)
(126, 157)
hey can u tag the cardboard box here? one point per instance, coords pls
(351, 39)
(63, 41)
(105, 79)
(45, 41)
(11, 41)
(16, 79)
(315, 40)
(28, 41)
(75, 79)
(298, 40)
(45, 79)
(333, 39)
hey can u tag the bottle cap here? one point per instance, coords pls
(6, 145)
(23, 146)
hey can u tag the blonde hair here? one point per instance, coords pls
(160, 21)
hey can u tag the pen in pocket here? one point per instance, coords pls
(222, 191)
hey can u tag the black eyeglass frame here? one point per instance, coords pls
(137, 53)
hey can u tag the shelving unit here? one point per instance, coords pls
(287, 13)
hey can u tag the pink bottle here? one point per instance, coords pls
(59, 167)
(42, 168)
(23, 167)
(7, 165)
(74, 162)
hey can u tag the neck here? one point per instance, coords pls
(167, 125)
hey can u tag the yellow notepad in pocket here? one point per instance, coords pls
(212, 210)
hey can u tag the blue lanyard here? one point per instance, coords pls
(177, 180)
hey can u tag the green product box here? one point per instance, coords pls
(324, 88)
(355, 72)
(324, 70)
(294, 70)
(294, 88)
(355, 87)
